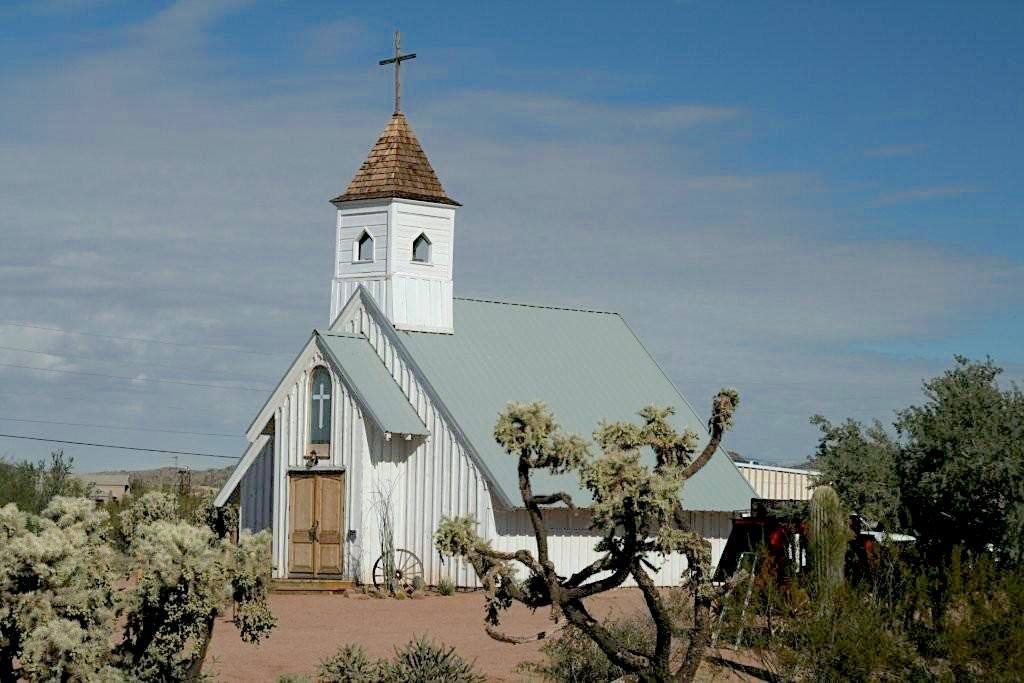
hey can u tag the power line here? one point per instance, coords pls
(135, 379)
(130, 429)
(115, 446)
(143, 340)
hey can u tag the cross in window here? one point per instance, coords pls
(321, 397)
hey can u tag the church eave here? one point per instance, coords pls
(393, 194)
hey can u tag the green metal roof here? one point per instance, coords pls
(373, 386)
(586, 365)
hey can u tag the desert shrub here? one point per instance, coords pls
(153, 506)
(62, 619)
(446, 586)
(221, 520)
(293, 678)
(423, 661)
(418, 661)
(30, 485)
(848, 639)
(981, 635)
(573, 656)
(350, 664)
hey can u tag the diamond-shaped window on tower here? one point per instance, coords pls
(421, 249)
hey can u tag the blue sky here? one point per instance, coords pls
(817, 204)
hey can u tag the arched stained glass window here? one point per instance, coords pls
(421, 249)
(320, 406)
(365, 247)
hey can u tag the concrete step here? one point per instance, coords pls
(311, 585)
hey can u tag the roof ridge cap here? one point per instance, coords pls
(576, 309)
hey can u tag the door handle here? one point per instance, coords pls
(314, 534)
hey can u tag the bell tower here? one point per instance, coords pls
(395, 235)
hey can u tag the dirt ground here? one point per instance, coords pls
(313, 626)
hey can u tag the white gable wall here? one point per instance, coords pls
(436, 479)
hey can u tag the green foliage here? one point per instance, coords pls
(860, 464)
(635, 508)
(884, 628)
(61, 616)
(57, 597)
(418, 661)
(828, 535)
(846, 639)
(30, 485)
(220, 520)
(293, 678)
(445, 586)
(153, 506)
(573, 656)
(982, 633)
(955, 476)
(961, 470)
(530, 429)
(350, 664)
(423, 661)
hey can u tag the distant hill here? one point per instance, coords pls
(214, 477)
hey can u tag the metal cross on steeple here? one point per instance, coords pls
(397, 61)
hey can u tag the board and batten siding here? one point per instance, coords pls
(256, 493)
(778, 483)
(571, 542)
(435, 479)
(414, 295)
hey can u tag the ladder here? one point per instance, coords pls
(751, 557)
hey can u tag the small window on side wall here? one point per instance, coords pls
(421, 249)
(364, 247)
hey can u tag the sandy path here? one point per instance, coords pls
(313, 626)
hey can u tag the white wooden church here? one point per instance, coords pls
(386, 415)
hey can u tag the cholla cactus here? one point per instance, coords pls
(636, 509)
(828, 534)
(59, 610)
(57, 601)
(151, 507)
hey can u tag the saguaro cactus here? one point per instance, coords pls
(828, 533)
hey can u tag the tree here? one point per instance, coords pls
(68, 613)
(961, 466)
(860, 464)
(31, 485)
(954, 474)
(637, 511)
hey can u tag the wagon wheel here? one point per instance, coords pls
(408, 568)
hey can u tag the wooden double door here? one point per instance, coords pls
(316, 514)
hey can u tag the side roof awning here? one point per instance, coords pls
(368, 379)
(253, 450)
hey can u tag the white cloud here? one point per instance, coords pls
(145, 197)
(923, 194)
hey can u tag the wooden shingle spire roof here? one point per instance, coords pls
(396, 167)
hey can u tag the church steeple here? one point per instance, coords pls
(396, 167)
(396, 230)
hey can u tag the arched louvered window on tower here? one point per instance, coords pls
(320, 397)
(421, 249)
(364, 247)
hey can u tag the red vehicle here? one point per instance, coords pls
(775, 531)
